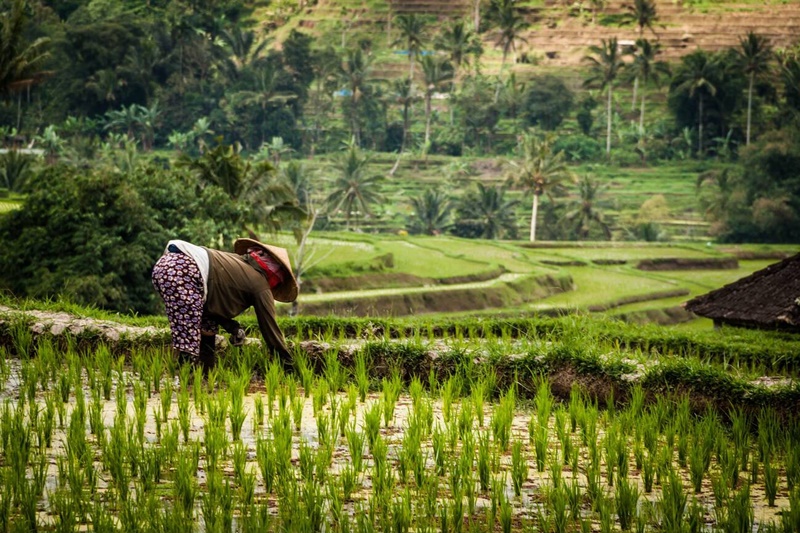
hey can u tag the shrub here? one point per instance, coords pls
(94, 236)
(579, 148)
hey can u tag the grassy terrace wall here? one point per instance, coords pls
(502, 294)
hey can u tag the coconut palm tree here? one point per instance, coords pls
(644, 14)
(605, 64)
(354, 189)
(645, 67)
(412, 35)
(695, 77)
(459, 42)
(19, 60)
(755, 56)
(354, 73)
(540, 171)
(790, 77)
(241, 50)
(585, 210)
(297, 176)
(511, 24)
(254, 184)
(431, 214)
(437, 72)
(487, 213)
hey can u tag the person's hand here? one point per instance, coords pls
(237, 339)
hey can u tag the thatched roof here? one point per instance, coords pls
(769, 299)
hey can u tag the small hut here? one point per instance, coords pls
(767, 299)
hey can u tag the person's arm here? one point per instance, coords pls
(237, 333)
(264, 308)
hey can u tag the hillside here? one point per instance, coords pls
(559, 32)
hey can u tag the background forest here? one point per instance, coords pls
(133, 121)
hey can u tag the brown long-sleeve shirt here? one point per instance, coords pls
(236, 283)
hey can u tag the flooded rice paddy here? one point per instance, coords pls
(91, 443)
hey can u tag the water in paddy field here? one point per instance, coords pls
(504, 461)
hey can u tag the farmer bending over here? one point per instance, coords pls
(203, 289)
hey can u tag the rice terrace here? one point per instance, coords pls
(409, 266)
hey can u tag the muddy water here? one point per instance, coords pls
(529, 504)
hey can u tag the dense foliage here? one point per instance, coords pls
(93, 236)
(112, 90)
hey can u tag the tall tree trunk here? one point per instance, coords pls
(476, 14)
(641, 113)
(19, 110)
(700, 127)
(500, 77)
(608, 121)
(427, 116)
(750, 105)
(534, 211)
(635, 90)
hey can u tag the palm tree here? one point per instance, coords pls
(19, 59)
(437, 72)
(715, 201)
(511, 24)
(541, 171)
(487, 212)
(354, 73)
(412, 30)
(604, 66)
(645, 67)
(755, 55)
(644, 14)
(585, 210)
(403, 94)
(695, 77)
(512, 99)
(790, 77)
(354, 190)
(270, 202)
(126, 119)
(459, 42)
(15, 170)
(295, 174)
(431, 212)
(242, 50)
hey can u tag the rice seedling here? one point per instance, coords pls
(695, 516)
(451, 390)
(544, 399)
(391, 393)
(770, 481)
(157, 370)
(362, 375)
(605, 509)
(237, 385)
(185, 481)
(519, 467)
(265, 457)
(626, 497)
(372, 423)
(792, 464)
(672, 503)
(556, 469)
(739, 517)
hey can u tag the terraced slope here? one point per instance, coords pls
(559, 39)
(560, 33)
